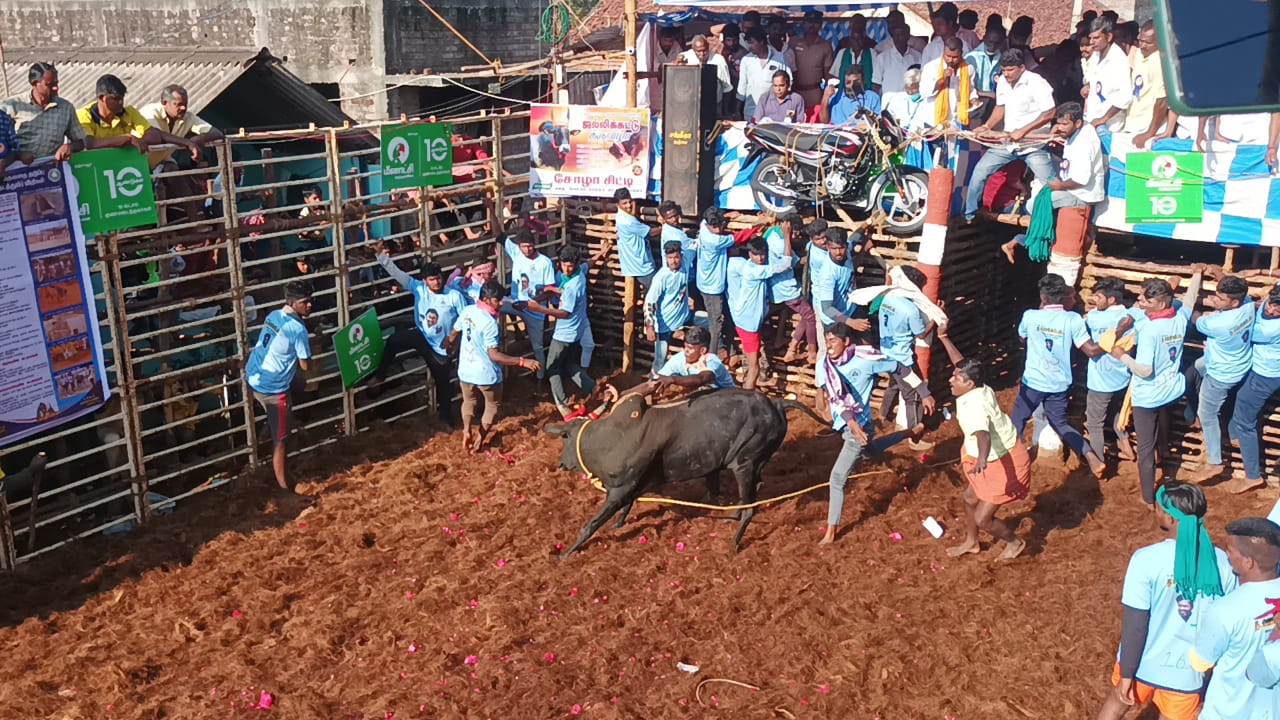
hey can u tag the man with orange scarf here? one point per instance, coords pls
(949, 83)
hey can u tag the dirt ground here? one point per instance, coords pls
(418, 581)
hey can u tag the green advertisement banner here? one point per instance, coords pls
(358, 346)
(1164, 187)
(417, 155)
(115, 190)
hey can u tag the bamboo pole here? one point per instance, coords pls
(342, 283)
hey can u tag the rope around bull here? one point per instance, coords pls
(597, 484)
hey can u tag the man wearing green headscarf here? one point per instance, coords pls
(1168, 588)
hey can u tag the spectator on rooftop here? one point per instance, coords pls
(46, 124)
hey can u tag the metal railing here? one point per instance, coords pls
(181, 303)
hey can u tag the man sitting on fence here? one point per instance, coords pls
(283, 347)
(171, 116)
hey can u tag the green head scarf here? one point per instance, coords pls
(1195, 565)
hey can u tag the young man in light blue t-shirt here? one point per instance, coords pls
(1239, 624)
(1226, 359)
(479, 361)
(433, 336)
(1168, 589)
(666, 304)
(1156, 365)
(1107, 378)
(564, 359)
(283, 347)
(1051, 331)
(634, 254)
(1262, 382)
(747, 282)
(695, 367)
(712, 270)
(530, 272)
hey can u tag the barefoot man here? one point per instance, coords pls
(478, 363)
(993, 457)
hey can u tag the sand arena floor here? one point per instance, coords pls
(413, 580)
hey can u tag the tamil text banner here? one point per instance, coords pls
(51, 366)
(588, 151)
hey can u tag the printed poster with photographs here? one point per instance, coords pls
(51, 366)
(588, 151)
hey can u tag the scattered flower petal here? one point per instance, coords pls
(679, 547)
(236, 613)
(549, 657)
(265, 700)
(413, 648)
(642, 540)
(576, 709)
(896, 537)
(470, 660)
(501, 563)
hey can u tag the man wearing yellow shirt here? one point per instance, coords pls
(171, 115)
(1149, 110)
(109, 123)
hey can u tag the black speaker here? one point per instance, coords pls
(690, 100)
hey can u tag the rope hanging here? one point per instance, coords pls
(555, 23)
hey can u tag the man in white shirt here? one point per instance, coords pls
(940, 82)
(1108, 86)
(1024, 103)
(755, 74)
(945, 26)
(1149, 110)
(1083, 168)
(890, 65)
(699, 53)
(670, 45)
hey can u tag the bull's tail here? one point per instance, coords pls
(786, 405)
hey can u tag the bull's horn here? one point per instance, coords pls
(555, 429)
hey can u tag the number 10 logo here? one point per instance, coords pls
(1164, 205)
(126, 182)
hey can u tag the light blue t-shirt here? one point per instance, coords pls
(859, 374)
(1171, 632)
(783, 287)
(829, 282)
(1230, 634)
(478, 332)
(747, 284)
(667, 299)
(1264, 671)
(633, 245)
(435, 313)
(1265, 339)
(1160, 346)
(1051, 332)
(688, 246)
(678, 366)
(573, 300)
(1226, 346)
(713, 260)
(274, 360)
(528, 275)
(1106, 374)
(900, 322)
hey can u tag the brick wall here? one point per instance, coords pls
(502, 29)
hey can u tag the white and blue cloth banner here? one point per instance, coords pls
(1241, 195)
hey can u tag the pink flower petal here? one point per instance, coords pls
(236, 613)
(824, 689)
(470, 660)
(642, 540)
(413, 648)
(265, 700)
(501, 563)
(549, 657)
(573, 592)
(896, 537)
(679, 547)
(576, 709)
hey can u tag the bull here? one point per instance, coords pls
(638, 445)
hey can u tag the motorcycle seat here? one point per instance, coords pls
(800, 139)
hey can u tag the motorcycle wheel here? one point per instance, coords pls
(905, 203)
(769, 178)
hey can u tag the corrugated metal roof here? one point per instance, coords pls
(205, 73)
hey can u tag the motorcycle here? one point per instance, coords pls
(861, 172)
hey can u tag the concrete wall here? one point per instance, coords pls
(325, 41)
